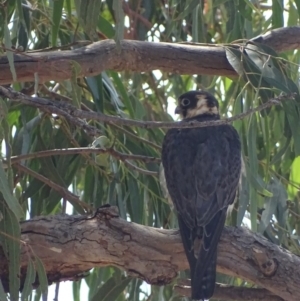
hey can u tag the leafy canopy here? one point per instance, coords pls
(268, 200)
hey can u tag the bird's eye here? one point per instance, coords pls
(185, 102)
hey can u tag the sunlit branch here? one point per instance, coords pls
(135, 56)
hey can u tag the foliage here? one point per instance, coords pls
(271, 142)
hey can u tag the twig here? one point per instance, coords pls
(65, 193)
(186, 124)
(83, 150)
(56, 292)
(51, 107)
(73, 114)
(144, 171)
(230, 292)
(123, 156)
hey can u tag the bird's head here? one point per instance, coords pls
(195, 103)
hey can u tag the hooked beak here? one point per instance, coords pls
(178, 110)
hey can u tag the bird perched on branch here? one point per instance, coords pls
(202, 170)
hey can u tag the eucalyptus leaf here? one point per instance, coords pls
(41, 275)
(9, 53)
(56, 18)
(11, 201)
(29, 280)
(3, 295)
(111, 289)
(10, 243)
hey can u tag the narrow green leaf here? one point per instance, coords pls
(68, 6)
(253, 208)
(20, 11)
(38, 294)
(277, 13)
(276, 205)
(294, 123)
(270, 207)
(76, 285)
(231, 9)
(41, 275)
(30, 278)
(243, 200)
(121, 88)
(9, 53)
(234, 57)
(190, 8)
(92, 16)
(120, 17)
(297, 2)
(111, 87)
(136, 208)
(11, 201)
(3, 296)
(281, 152)
(252, 170)
(106, 27)
(294, 177)
(246, 9)
(95, 85)
(11, 246)
(56, 18)
(252, 132)
(111, 289)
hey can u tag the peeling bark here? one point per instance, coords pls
(136, 56)
(71, 245)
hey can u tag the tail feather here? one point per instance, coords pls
(203, 289)
(204, 274)
(203, 268)
(187, 239)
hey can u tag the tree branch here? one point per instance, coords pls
(136, 56)
(230, 292)
(73, 245)
(64, 192)
(70, 112)
(83, 150)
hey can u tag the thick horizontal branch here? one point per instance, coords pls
(135, 56)
(72, 245)
(70, 112)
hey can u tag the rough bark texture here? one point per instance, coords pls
(135, 56)
(71, 245)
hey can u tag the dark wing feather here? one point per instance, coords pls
(202, 169)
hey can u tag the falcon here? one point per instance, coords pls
(202, 170)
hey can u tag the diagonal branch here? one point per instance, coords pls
(70, 112)
(136, 56)
(72, 245)
(64, 192)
